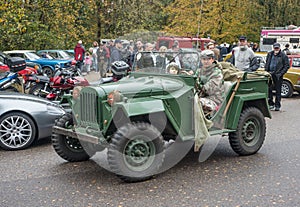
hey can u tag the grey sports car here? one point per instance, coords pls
(24, 119)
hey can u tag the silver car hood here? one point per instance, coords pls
(27, 97)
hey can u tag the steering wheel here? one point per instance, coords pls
(186, 72)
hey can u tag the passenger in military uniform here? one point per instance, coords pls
(210, 82)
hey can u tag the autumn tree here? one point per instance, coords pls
(226, 20)
(58, 24)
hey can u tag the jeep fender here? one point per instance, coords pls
(240, 102)
(123, 112)
(155, 111)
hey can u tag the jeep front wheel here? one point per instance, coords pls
(250, 133)
(68, 148)
(136, 152)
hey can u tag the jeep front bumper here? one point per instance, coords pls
(75, 134)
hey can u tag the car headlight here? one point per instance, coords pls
(57, 66)
(298, 82)
(68, 64)
(55, 110)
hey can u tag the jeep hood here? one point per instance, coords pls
(148, 86)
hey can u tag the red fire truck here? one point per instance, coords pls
(184, 42)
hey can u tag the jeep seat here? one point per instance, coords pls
(227, 86)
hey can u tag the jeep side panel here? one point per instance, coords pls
(251, 92)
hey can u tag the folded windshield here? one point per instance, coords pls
(166, 62)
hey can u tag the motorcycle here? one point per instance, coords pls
(9, 80)
(119, 69)
(27, 75)
(63, 81)
(75, 68)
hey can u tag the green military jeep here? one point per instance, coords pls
(148, 112)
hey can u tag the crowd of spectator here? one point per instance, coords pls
(105, 53)
(100, 57)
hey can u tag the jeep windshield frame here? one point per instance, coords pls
(158, 63)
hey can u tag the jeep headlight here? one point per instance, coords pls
(114, 96)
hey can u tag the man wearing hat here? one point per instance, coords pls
(210, 82)
(277, 64)
(211, 46)
(243, 57)
(102, 59)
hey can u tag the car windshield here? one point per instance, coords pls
(64, 55)
(32, 56)
(296, 62)
(166, 62)
(2, 59)
(70, 52)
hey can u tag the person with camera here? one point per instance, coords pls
(243, 57)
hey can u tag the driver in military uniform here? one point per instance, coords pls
(210, 82)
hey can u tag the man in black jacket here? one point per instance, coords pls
(116, 53)
(277, 64)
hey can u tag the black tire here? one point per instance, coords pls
(66, 147)
(250, 133)
(286, 89)
(144, 144)
(48, 71)
(17, 131)
(36, 90)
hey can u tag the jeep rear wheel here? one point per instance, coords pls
(250, 133)
(68, 148)
(136, 152)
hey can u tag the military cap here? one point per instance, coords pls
(207, 54)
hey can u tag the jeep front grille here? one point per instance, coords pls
(88, 108)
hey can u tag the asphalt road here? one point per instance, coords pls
(38, 177)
